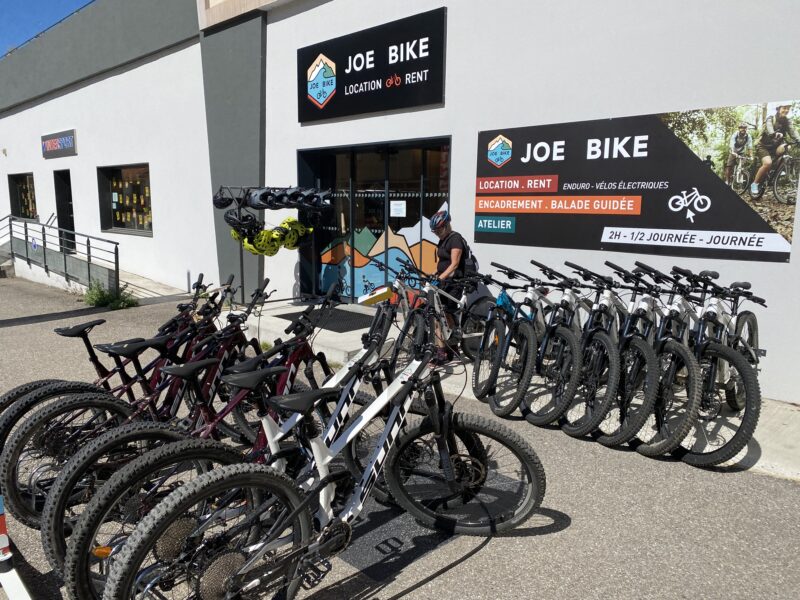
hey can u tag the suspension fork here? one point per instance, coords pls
(441, 415)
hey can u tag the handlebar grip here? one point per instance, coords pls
(199, 282)
(536, 263)
(230, 281)
(608, 263)
(758, 300)
(295, 322)
(332, 289)
(572, 265)
(680, 271)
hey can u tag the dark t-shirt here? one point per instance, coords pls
(443, 248)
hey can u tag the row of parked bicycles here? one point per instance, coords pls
(197, 465)
(666, 362)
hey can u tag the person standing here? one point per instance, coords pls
(451, 253)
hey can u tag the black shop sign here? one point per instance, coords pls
(392, 66)
(63, 143)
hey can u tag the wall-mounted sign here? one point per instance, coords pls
(677, 184)
(396, 65)
(64, 143)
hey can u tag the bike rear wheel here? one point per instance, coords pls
(473, 324)
(499, 480)
(719, 432)
(33, 457)
(186, 546)
(403, 352)
(516, 369)
(129, 495)
(86, 472)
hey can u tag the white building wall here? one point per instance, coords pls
(155, 114)
(512, 63)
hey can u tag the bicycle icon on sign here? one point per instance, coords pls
(689, 200)
(393, 81)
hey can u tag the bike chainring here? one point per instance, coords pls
(213, 581)
(339, 535)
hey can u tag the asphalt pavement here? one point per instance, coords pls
(613, 523)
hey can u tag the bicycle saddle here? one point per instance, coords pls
(131, 348)
(189, 369)
(744, 285)
(78, 330)
(252, 379)
(303, 402)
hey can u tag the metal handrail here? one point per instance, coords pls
(30, 232)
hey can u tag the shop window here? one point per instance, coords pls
(23, 196)
(125, 199)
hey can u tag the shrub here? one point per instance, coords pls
(97, 295)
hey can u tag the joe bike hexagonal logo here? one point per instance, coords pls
(499, 152)
(321, 81)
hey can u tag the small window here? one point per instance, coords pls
(23, 196)
(125, 199)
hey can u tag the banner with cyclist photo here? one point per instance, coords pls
(710, 183)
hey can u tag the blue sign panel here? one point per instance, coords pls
(487, 224)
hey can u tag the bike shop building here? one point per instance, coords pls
(551, 130)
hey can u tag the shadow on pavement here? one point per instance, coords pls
(42, 586)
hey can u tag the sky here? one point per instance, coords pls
(20, 20)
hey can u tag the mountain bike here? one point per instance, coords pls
(468, 316)
(503, 376)
(731, 398)
(248, 529)
(600, 373)
(782, 178)
(740, 178)
(680, 379)
(638, 385)
(557, 369)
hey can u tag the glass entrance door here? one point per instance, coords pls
(384, 197)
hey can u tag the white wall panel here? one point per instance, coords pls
(155, 114)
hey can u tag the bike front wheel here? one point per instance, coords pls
(785, 184)
(636, 394)
(597, 388)
(498, 481)
(677, 401)
(555, 379)
(487, 358)
(516, 368)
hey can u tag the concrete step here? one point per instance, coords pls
(6, 268)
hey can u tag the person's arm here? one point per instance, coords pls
(749, 146)
(770, 125)
(455, 259)
(732, 144)
(793, 133)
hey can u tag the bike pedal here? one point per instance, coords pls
(315, 573)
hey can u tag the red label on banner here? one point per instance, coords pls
(530, 184)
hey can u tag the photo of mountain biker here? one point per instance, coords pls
(450, 254)
(740, 144)
(778, 129)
